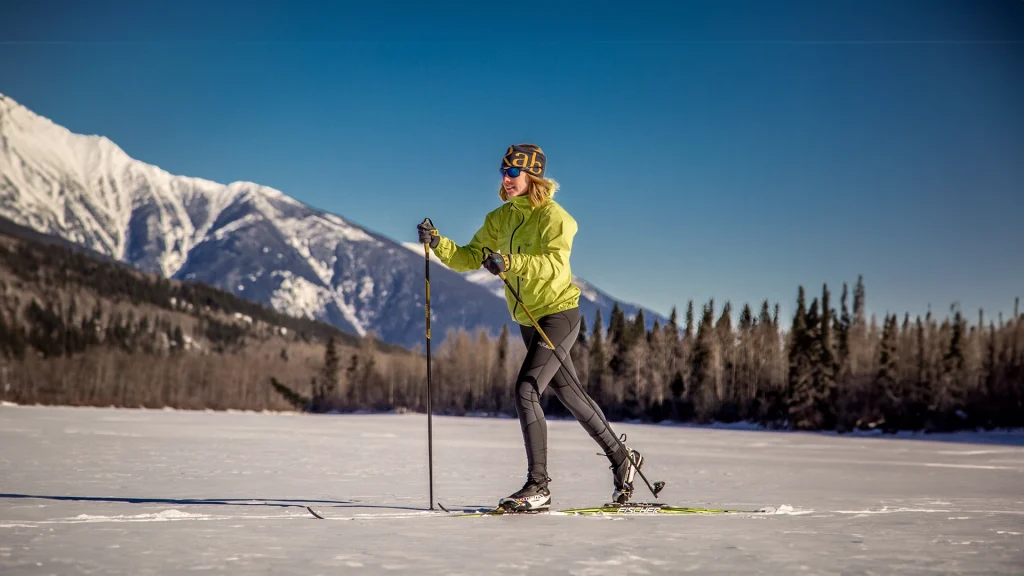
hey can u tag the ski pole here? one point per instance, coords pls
(430, 426)
(659, 485)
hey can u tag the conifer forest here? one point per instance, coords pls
(77, 330)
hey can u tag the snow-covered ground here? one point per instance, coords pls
(111, 491)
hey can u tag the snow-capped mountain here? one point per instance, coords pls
(252, 240)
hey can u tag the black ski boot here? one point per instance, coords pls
(532, 496)
(623, 474)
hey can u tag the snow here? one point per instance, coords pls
(366, 289)
(108, 185)
(228, 229)
(298, 296)
(104, 186)
(587, 292)
(348, 310)
(122, 491)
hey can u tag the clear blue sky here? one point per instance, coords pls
(707, 149)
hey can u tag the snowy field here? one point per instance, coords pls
(107, 491)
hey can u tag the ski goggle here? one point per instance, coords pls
(512, 172)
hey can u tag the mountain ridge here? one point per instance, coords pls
(253, 240)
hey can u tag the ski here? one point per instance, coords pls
(498, 511)
(632, 508)
(639, 508)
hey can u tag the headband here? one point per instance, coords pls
(528, 159)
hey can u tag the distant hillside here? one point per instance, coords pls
(77, 327)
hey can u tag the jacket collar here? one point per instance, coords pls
(522, 203)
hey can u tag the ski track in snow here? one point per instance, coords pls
(123, 491)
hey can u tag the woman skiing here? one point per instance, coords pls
(533, 235)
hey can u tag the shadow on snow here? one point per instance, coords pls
(273, 502)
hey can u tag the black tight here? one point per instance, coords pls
(541, 367)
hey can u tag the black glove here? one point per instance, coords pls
(496, 263)
(427, 233)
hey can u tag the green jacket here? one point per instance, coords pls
(538, 242)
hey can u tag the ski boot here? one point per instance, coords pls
(531, 497)
(623, 474)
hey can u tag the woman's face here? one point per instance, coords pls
(515, 186)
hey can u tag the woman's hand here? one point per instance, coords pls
(496, 263)
(427, 233)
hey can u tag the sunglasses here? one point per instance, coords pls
(513, 172)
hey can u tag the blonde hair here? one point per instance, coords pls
(541, 189)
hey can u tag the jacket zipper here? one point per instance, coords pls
(510, 250)
(519, 284)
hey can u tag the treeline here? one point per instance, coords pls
(79, 330)
(51, 330)
(75, 330)
(905, 374)
(53, 268)
(827, 369)
(361, 378)
(103, 355)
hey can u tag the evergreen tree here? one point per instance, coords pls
(765, 317)
(71, 333)
(5, 334)
(616, 325)
(769, 393)
(859, 302)
(801, 376)
(597, 358)
(673, 345)
(845, 321)
(330, 375)
(579, 353)
(724, 324)
(501, 384)
(676, 343)
(950, 394)
(746, 319)
(725, 364)
(1017, 339)
(907, 365)
(859, 352)
(702, 383)
(18, 340)
(745, 373)
(657, 371)
(923, 386)
(991, 366)
(689, 333)
(581, 337)
(638, 329)
(618, 340)
(825, 373)
(887, 379)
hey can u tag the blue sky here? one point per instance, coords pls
(725, 149)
